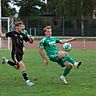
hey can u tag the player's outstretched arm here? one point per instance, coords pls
(67, 40)
(41, 52)
(2, 34)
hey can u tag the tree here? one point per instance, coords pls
(7, 11)
(29, 7)
(71, 7)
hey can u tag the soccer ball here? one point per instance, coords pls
(67, 47)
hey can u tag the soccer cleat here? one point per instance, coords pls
(29, 83)
(79, 63)
(62, 78)
(4, 60)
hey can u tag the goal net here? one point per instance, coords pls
(6, 25)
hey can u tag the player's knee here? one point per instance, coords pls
(62, 54)
(17, 66)
(21, 67)
(69, 65)
(65, 53)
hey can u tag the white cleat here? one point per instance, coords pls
(29, 83)
(4, 60)
(77, 64)
(62, 78)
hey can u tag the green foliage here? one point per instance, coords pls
(7, 11)
(29, 7)
(71, 7)
(54, 7)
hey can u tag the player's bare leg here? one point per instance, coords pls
(24, 74)
(68, 67)
(62, 54)
(20, 65)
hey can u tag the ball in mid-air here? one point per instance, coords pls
(67, 47)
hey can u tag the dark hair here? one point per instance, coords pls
(47, 27)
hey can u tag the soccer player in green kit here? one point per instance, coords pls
(25, 32)
(61, 57)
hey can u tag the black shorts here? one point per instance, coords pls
(17, 57)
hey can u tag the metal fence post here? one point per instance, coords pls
(63, 25)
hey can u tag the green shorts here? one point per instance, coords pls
(55, 58)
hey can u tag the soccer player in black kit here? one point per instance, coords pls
(17, 50)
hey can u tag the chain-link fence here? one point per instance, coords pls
(62, 26)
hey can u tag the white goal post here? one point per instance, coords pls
(6, 25)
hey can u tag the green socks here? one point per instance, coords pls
(69, 59)
(66, 71)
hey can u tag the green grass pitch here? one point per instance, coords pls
(82, 82)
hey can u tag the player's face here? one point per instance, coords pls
(48, 32)
(19, 28)
(23, 26)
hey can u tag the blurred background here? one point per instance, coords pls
(68, 18)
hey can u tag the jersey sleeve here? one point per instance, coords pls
(25, 32)
(41, 44)
(25, 38)
(9, 34)
(57, 40)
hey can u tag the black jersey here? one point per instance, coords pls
(17, 41)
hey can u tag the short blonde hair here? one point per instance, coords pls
(18, 23)
(47, 27)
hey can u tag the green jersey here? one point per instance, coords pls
(25, 32)
(49, 44)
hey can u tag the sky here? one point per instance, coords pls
(14, 6)
(18, 8)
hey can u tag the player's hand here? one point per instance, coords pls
(31, 40)
(2, 34)
(45, 61)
